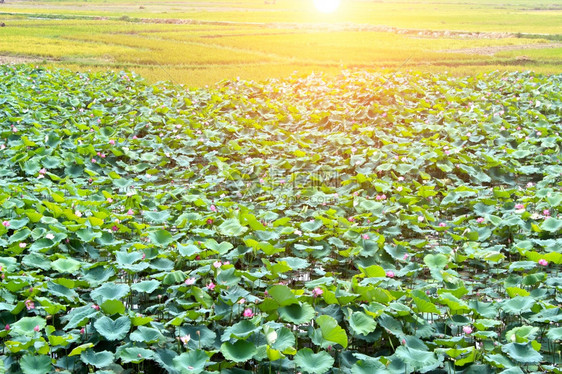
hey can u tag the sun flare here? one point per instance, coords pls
(327, 6)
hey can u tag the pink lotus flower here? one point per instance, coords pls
(111, 141)
(248, 313)
(43, 171)
(467, 330)
(130, 212)
(96, 307)
(365, 237)
(213, 208)
(93, 161)
(442, 224)
(241, 301)
(211, 286)
(543, 262)
(519, 206)
(390, 274)
(189, 281)
(82, 331)
(209, 221)
(78, 213)
(185, 339)
(22, 245)
(50, 236)
(298, 232)
(406, 256)
(29, 304)
(351, 219)
(546, 212)
(480, 219)
(317, 292)
(37, 328)
(399, 189)
(420, 218)
(217, 264)
(6, 224)
(114, 228)
(7, 327)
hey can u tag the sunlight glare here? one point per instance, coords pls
(327, 6)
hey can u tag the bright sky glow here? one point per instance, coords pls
(327, 6)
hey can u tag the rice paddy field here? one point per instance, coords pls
(202, 43)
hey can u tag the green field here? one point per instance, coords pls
(199, 43)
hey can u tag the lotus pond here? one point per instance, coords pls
(366, 223)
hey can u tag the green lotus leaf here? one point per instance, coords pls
(240, 330)
(522, 352)
(332, 333)
(518, 304)
(146, 335)
(232, 227)
(513, 370)
(125, 259)
(110, 291)
(111, 307)
(81, 348)
(313, 363)
(161, 237)
(552, 224)
(36, 260)
(554, 333)
(98, 274)
(438, 261)
(311, 225)
(16, 224)
(240, 351)
(98, 359)
(283, 295)
(147, 286)
(188, 250)
(134, 354)
(418, 359)
(30, 364)
(27, 325)
(221, 248)
(78, 317)
(41, 244)
(368, 365)
(200, 336)
(66, 265)
(297, 313)
(19, 236)
(157, 217)
(361, 323)
(499, 360)
(113, 329)
(192, 362)
(174, 277)
(87, 235)
(284, 339)
(522, 334)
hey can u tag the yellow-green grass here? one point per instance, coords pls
(546, 54)
(289, 36)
